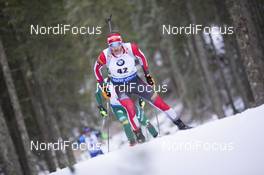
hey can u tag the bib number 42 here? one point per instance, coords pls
(122, 70)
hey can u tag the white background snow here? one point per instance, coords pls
(233, 145)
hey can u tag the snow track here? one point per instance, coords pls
(233, 145)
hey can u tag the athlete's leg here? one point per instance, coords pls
(149, 94)
(142, 118)
(152, 97)
(129, 106)
(121, 115)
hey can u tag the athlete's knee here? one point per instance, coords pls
(158, 102)
(123, 120)
(128, 104)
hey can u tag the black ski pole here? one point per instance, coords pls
(108, 127)
(109, 22)
(157, 119)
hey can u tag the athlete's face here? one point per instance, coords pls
(116, 48)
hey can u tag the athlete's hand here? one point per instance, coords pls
(102, 111)
(106, 92)
(149, 79)
(141, 103)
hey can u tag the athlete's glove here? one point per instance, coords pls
(141, 103)
(105, 92)
(149, 79)
(102, 111)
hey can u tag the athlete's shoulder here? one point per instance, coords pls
(131, 46)
(102, 56)
(134, 48)
(128, 44)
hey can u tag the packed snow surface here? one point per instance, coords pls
(233, 145)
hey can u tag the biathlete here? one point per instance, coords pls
(120, 60)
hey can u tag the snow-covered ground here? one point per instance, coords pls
(233, 145)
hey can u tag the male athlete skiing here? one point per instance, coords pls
(120, 113)
(120, 60)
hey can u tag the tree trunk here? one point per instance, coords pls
(37, 112)
(8, 155)
(167, 63)
(222, 75)
(249, 46)
(29, 163)
(256, 8)
(65, 127)
(243, 75)
(233, 56)
(50, 120)
(201, 53)
(54, 131)
(198, 66)
(170, 52)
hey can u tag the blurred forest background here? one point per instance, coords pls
(47, 82)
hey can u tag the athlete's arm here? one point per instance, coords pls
(143, 61)
(99, 100)
(100, 62)
(98, 96)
